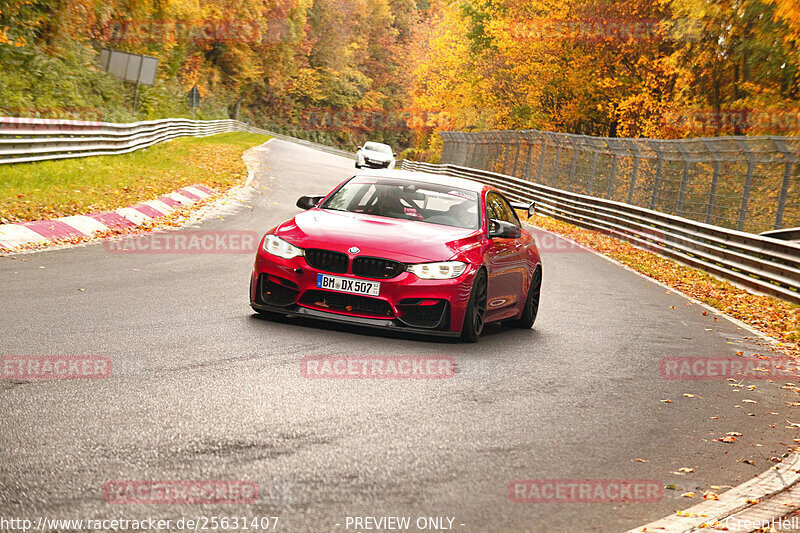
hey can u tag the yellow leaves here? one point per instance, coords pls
(708, 495)
(688, 495)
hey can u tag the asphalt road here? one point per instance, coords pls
(202, 389)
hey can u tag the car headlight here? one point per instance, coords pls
(443, 270)
(277, 246)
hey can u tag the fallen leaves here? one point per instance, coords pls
(774, 317)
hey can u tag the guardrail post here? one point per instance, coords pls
(612, 176)
(558, 160)
(634, 171)
(590, 186)
(526, 170)
(712, 190)
(657, 178)
(495, 152)
(516, 156)
(445, 145)
(748, 184)
(541, 158)
(462, 156)
(787, 177)
(455, 151)
(573, 165)
(684, 178)
(508, 151)
(473, 152)
(488, 149)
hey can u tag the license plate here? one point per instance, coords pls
(352, 286)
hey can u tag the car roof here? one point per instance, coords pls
(426, 177)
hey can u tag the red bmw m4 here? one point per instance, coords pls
(403, 251)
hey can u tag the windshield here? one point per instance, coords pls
(407, 200)
(377, 147)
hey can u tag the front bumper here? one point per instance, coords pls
(405, 303)
(377, 164)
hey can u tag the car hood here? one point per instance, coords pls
(407, 241)
(378, 156)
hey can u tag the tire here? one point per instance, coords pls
(475, 317)
(531, 309)
(358, 166)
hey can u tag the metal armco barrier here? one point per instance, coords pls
(747, 183)
(764, 264)
(24, 140)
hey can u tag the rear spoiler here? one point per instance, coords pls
(529, 208)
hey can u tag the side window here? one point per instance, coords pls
(509, 214)
(493, 207)
(498, 209)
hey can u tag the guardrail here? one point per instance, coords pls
(764, 264)
(24, 140)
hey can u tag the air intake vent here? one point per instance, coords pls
(327, 261)
(376, 268)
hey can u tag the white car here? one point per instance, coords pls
(375, 155)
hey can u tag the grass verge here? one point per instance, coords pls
(50, 189)
(775, 318)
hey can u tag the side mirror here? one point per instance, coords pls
(500, 229)
(531, 209)
(307, 202)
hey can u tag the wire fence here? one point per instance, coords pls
(747, 183)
